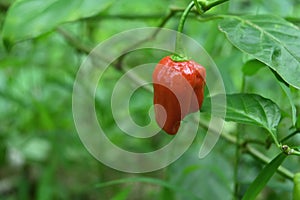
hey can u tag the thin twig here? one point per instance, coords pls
(289, 136)
(281, 170)
(252, 151)
(73, 41)
(213, 4)
(81, 47)
(78, 44)
(124, 17)
(119, 62)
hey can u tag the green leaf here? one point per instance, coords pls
(264, 176)
(251, 67)
(287, 91)
(270, 39)
(296, 193)
(250, 109)
(30, 18)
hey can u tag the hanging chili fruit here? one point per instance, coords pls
(178, 91)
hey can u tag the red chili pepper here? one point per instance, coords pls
(179, 89)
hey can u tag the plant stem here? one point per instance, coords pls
(152, 36)
(236, 164)
(198, 7)
(274, 138)
(212, 4)
(201, 8)
(238, 150)
(179, 46)
(281, 170)
(297, 153)
(252, 151)
(289, 136)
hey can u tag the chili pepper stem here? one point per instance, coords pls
(201, 6)
(179, 44)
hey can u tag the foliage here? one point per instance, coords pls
(255, 45)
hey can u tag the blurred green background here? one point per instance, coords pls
(41, 155)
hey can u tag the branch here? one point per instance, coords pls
(124, 17)
(119, 62)
(281, 170)
(206, 7)
(134, 16)
(252, 151)
(297, 131)
(81, 47)
(75, 42)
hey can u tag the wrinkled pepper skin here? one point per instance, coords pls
(178, 91)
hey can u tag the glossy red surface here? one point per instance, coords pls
(178, 89)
